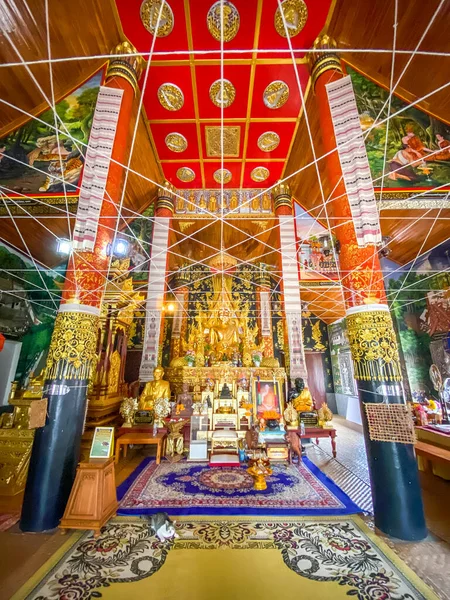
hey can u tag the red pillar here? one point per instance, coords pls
(73, 348)
(392, 464)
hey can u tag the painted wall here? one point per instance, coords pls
(29, 299)
(36, 144)
(418, 144)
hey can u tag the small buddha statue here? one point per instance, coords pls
(154, 390)
(212, 204)
(184, 401)
(234, 201)
(302, 401)
(291, 416)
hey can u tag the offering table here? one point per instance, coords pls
(142, 437)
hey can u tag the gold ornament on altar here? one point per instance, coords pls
(161, 408)
(324, 414)
(268, 141)
(260, 470)
(176, 142)
(127, 411)
(276, 94)
(170, 96)
(155, 390)
(223, 21)
(291, 17)
(222, 93)
(291, 417)
(222, 176)
(73, 349)
(259, 174)
(157, 17)
(185, 174)
(175, 440)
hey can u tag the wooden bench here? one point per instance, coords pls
(431, 452)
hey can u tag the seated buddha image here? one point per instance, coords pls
(224, 331)
(154, 390)
(302, 401)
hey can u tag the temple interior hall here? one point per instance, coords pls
(224, 299)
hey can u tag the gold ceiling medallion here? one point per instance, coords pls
(222, 176)
(259, 174)
(276, 94)
(268, 141)
(225, 21)
(295, 15)
(222, 93)
(170, 96)
(185, 174)
(176, 142)
(231, 137)
(151, 11)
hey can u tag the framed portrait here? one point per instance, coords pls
(266, 394)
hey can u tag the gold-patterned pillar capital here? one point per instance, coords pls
(165, 204)
(282, 199)
(126, 63)
(324, 57)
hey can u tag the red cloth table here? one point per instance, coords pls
(312, 432)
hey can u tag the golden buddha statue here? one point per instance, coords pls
(266, 201)
(256, 204)
(154, 390)
(303, 401)
(212, 203)
(202, 203)
(234, 200)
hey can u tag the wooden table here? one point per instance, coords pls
(314, 432)
(141, 437)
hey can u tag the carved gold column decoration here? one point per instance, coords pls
(282, 199)
(374, 346)
(128, 66)
(72, 353)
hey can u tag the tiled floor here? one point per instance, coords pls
(429, 559)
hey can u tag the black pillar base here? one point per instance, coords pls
(397, 499)
(55, 456)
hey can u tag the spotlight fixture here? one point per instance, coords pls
(63, 247)
(120, 249)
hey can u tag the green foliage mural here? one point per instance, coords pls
(37, 145)
(418, 145)
(27, 309)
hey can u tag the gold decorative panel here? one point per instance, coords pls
(291, 17)
(223, 21)
(231, 139)
(157, 14)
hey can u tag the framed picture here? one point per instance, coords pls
(266, 395)
(102, 442)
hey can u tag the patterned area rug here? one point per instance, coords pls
(228, 558)
(186, 489)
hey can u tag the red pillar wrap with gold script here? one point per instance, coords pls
(387, 423)
(362, 278)
(87, 270)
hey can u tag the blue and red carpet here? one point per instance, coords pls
(196, 489)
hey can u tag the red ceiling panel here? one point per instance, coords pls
(190, 33)
(285, 132)
(266, 74)
(170, 171)
(202, 38)
(238, 75)
(270, 38)
(188, 130)
(180, 76)
(275, 170)
(233, 167)
(130, 16)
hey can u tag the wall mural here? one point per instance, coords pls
(140, 231)
(27, 311)
(36, 144)
(418, 146)
(341, 360)
(420, 302)
(315, 339)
